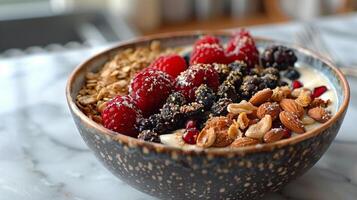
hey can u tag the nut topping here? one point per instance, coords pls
(258, 130)
(291, 121)
(274, 135)
(206, 138)
(244, 141)
(243, 106)
(243, 120)
(291, 106)
(261, 97)
(269, 108)
(319, 114)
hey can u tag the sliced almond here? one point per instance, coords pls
(206, 138)
(269, 108)
(234, 131)
(243, 106)
(291, 106)
(243, 120)
(244, 141)
(319, 114)
(274, 135)
(258, 130)
(291, 121)
(261, 96)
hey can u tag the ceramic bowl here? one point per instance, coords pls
(173, 173)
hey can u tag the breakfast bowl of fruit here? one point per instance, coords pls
(207, 115)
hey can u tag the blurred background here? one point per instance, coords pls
(33, 26)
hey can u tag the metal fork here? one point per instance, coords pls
(311, 38)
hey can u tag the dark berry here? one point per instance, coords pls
(148, 135)
(190, 135)
(188, 81)
(269, 81)
(239, 66)
(205, 95)
(172, 117)
(296, 84)
(318, 91)
(176, 98)
(292, 74)
(250, 86)
(235, 78)
(219, 108)
(270, 70)
(192, 110)
(278, 56)
(190, 124)
(222, 70)
(150, 88)
(282, 83)
(227, 90)
(121, 115)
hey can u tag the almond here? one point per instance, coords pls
(243, 106)
(206, 138)
(291, 106)
(244, 141)
(319, 114)
(258, 130)
(291, 121)
(269, 108)
(261, 96)
(243, 120)
(274, 135)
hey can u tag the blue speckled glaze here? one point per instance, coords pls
(171, 173)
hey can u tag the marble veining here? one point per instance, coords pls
(42, 156)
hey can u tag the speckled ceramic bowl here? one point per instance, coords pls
(173, 173)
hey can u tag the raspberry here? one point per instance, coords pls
(296, 84)
(207, 39)
(172, 64)
(242, 47)
(318, 91)
(188, 81)
(208, 54)
(121, 115)
(150, 88)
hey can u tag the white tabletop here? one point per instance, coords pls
(42, 156)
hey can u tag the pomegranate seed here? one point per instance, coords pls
(190, 136)
(190, 124)
(287, 133)
(297, 84)
(318, 91)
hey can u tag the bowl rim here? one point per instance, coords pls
(158, 147)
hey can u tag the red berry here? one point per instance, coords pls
(208, 53)
(121, 115)
(150, 88)
(188, 81)
(190, 136)
(242, 47)
(296, 84)
(190, 124)
(171, 64)
(318, 91)
(207, 39)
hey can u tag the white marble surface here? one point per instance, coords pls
(43, 157)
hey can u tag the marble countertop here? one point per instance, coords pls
(43, 157)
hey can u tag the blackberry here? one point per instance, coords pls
(269, 81)
(192, 110)
(146, 123)
(205, 95)
(223, 71)
(148, 135)
(171, 116)
(250, 85)
(235, 78)
(239, 66)
(270, 70)
(282, 83)
(278, 56)
(219, 108)
(227, 90)
(176, 98)
(292, 74)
